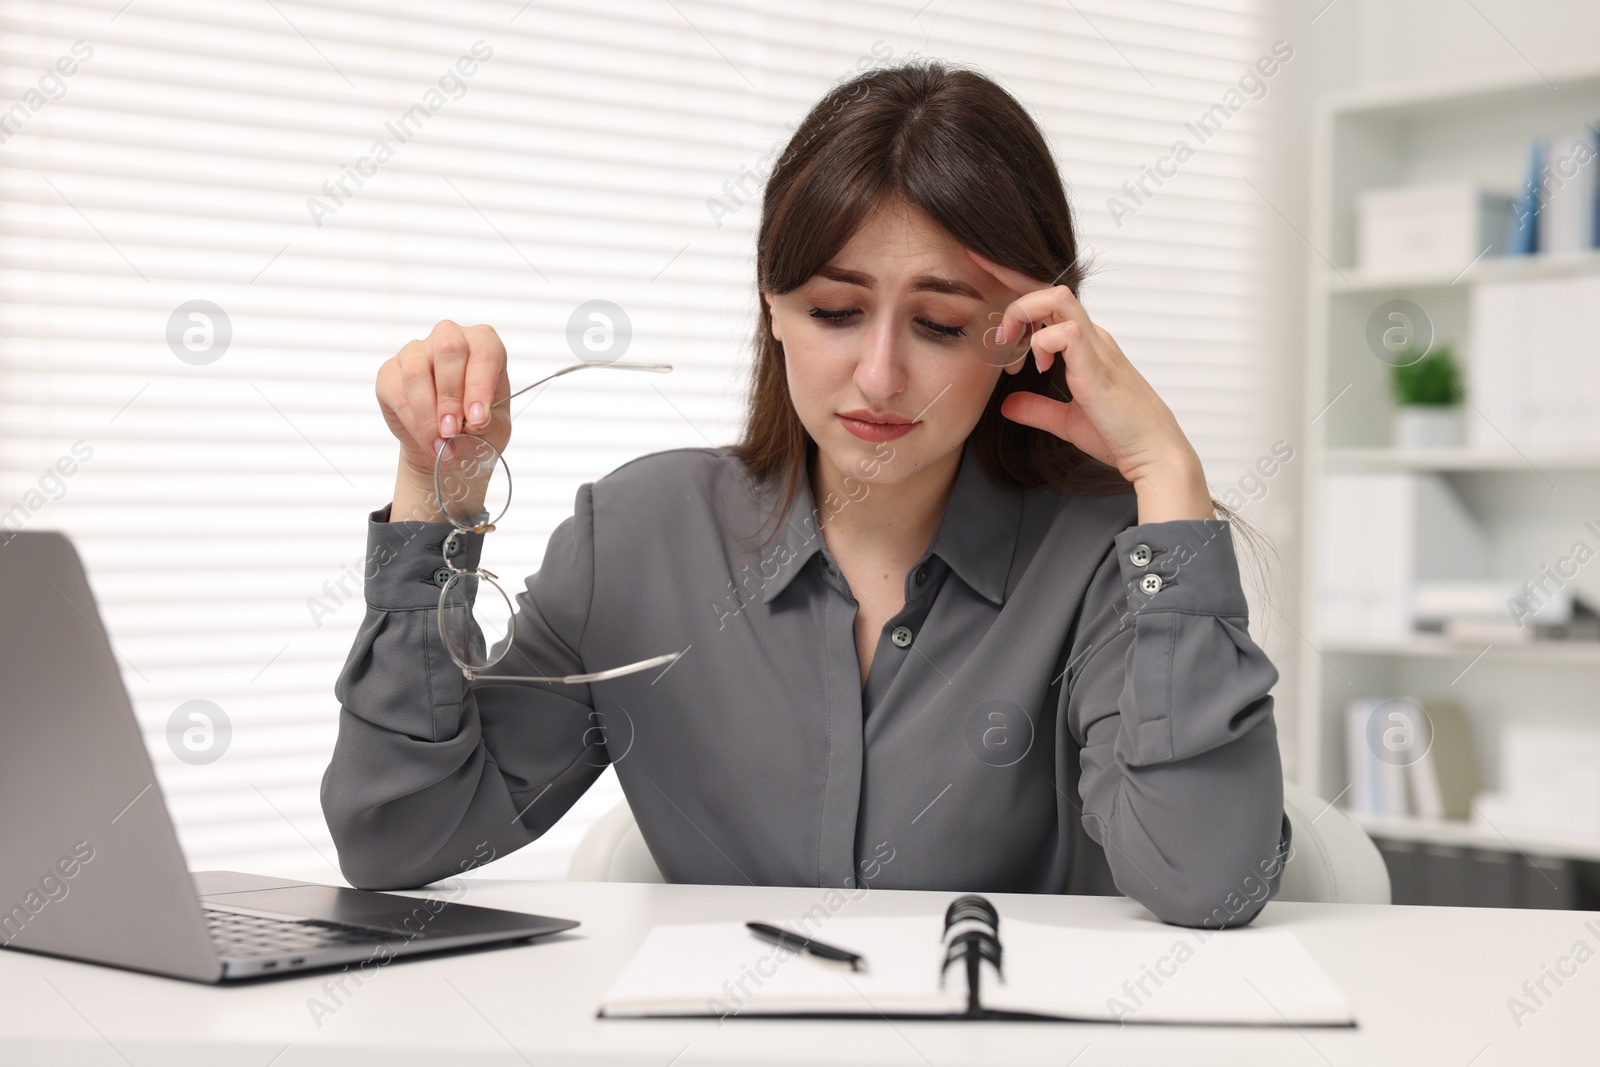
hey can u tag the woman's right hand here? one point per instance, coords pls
(433, 389)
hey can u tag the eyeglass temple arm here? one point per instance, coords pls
(654, 368)
(578, 679)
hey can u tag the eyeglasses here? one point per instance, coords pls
(471, 602)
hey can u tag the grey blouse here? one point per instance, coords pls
(1058, 670)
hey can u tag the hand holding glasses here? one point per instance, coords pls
(471, 602)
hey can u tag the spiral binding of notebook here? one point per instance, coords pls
(975, 944)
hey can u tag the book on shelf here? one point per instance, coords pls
(1569, 207)
(1382, 533)
(1522, 237)
(1444, 779)
(1409, 757)
(1490, 611)
(1439, 600)
(1555, 210)
(1373, 726)
(1531, 371)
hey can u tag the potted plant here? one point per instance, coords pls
(1427, 385)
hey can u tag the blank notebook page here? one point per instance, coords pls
(697, 968)
(1173, 975)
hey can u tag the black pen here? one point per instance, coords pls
(789, 939)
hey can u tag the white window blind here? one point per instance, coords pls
(225, 152)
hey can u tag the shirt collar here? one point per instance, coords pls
(976, 536)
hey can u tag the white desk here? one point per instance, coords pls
(1429, 986)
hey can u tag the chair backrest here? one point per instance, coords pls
(1331, 859)
(613, 850)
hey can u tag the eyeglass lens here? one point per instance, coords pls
(474, 621)
(471, 481)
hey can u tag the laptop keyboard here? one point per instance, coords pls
(239, 936)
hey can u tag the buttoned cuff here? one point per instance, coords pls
(405, 567)
(1181, 565)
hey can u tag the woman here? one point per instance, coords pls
(994, 581)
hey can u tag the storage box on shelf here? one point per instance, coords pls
(1438, 226)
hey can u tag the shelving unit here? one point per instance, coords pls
(1532, 502)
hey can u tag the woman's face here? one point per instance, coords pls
(892, 328)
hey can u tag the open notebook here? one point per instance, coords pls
(1243, 976)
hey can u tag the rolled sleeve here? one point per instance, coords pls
(1201, 680)
(1168, 697)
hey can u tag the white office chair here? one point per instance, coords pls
(613, 850)
(1332, 860)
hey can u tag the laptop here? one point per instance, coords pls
(90, 866)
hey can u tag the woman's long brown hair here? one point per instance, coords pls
(954, 143)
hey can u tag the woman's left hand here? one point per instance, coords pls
(1114, 414)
